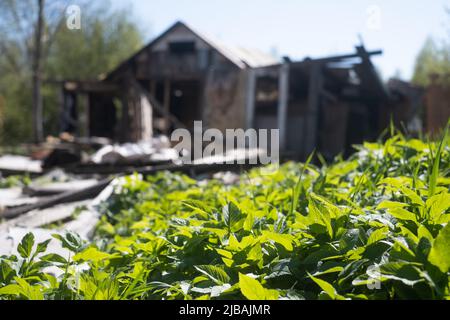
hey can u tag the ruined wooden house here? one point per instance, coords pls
(179, 77)
(326, 104)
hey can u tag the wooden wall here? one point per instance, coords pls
(224, 97)
(437, 103)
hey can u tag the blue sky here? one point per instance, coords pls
(300, 28)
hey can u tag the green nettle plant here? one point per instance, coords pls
(372, 227)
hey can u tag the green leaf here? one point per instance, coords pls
(396, 210)
(404, 272)
(298, 186)
(232, 216)
(283, 239)
(325, 286)
(30, 292)
(53, 257)
(215, 273)
(11, 289)
(435, 169)
(377, 235)
(319, 216)
(42, 247)
(198, 206)
(422, 232)
(413, 196)
(53, 281)
(91, 254)
(403, 214)
(26, 245)
(225, 253)
(396, 182)
(249, 221)
(253, 290)
(401, 251)
(440, 251)
(331, 270)
(386, 204)
(437, 204)
(70, 240)
(255, 253)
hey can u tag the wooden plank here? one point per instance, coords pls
(283, 99)
(153, 87)
(250, 96)
(166, 106)
(338, 58)
(146, 118)
(85, 116)
(85, 85)
(58, 187)
(92, 86)
(371, 82)
(125, 121)
(312, 114)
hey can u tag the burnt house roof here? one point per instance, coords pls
(240, 57)
(350, 69)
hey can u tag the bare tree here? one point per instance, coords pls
(37, 74)
(27, 31)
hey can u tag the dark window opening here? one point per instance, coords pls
(185, 101)
(266, 91)
(182, 47)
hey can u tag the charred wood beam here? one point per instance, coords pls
(367, 72)
(283, 89)
(5, 172)
(341, 57)
(312, 115)
(125, 119)
(155, 104)
(97, 87)
(85, 86)
(250, 102)
(328, 95)
(166, 106)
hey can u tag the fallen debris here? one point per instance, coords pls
(62, 157)
(13, 197)
(58, 187)
(68, 196)
(12, 165)
(38, 218)
(158, 149)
